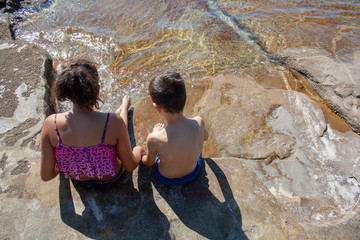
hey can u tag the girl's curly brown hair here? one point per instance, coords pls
(79, 83)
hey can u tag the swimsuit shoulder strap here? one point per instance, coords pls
(105, 128)
(56, 129)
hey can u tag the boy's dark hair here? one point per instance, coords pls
(78, 82)
(168, 91)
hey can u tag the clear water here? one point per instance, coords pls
(134, 40)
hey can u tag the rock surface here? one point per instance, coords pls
(273, 168)
(314, 170)
(24, 73)
(14, 5)
(225, 201)
(335, 79)
(4, 29)
(283, 137)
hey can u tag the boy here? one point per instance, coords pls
(180, 142)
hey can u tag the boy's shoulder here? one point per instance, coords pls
(199, 120)
(201, 124)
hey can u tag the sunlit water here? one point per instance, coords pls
(132, 41)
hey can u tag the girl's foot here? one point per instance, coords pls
(122, 111)
(125, 105)
(158, 127)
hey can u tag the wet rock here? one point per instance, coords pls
(13, 11)
(12, 5)
(335, 79)
(2, 4)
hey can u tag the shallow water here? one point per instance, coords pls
(134, 40)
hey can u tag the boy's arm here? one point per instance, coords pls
(150, 158)
(206, 135)
(201, 123)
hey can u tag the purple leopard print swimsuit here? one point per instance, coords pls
(96, 160)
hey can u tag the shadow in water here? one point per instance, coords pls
(200, 210)
(113, 211)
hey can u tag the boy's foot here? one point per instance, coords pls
(125, 105)
(158, 127)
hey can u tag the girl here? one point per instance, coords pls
(84, 144)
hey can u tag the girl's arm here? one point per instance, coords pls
(48, 168)
(130, 159)
(150, 158)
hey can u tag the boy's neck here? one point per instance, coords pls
(172, 118)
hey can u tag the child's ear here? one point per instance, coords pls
(157, 107)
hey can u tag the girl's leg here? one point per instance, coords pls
(122, 111)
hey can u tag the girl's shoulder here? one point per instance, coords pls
(48, 130)
(115, 121)
(51, 120)
(115, 118)
(58, 115)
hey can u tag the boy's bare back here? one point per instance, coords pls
(174, 150)
(178, 145)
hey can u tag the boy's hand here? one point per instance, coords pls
(158, 127)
